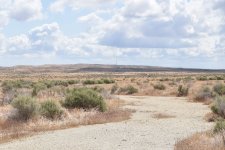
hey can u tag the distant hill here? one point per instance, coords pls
(73, 68)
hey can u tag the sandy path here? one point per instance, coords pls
(141, 132)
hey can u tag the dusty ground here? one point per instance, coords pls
(157, 124)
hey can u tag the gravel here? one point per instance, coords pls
(143, 131)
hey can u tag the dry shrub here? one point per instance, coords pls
(204, 94)
(159, 86)
(200, 141)
(182, 91)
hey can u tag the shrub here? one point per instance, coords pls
(204, 94)
(38, 87)
(101, 81)
(219, 89)
(72, 82)
(51, 109)
(159, 86)
(128, 90)
(131, 90)
(114, 89)
(219, 127)
(182, 91)
(218, 106)
(202, 78)
(219, 78)
(27, 107)
(89, 82)
(84, 98)
(98, 89)
(108, 81)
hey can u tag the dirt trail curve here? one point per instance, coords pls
(141, 132)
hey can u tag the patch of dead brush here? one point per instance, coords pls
(200, 141)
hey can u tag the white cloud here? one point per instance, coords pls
(59, 5)
(20, 10)
(4, 19)
(23, 10)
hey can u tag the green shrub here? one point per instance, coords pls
(182, 91)
(38, 87)
(51, 109)
(204, 94)
(219, 78)
(101, 81)
(27, 107)
(202, 78)
(218, 106)
(159, 86)
(89, 82)
(98, 89)
(219, 127)
(72, 82)
(84, 98)
(108, 81)
(219, 88)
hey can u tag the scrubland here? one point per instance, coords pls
(32, 103)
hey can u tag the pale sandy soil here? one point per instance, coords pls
(142, 132)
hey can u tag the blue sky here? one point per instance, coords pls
(173, 33)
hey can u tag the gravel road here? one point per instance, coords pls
(142, 132)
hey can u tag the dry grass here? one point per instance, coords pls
(162, 116)
(201, 141)
(11, 129)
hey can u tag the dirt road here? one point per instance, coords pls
(157, 124)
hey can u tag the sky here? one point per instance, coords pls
(170, 33)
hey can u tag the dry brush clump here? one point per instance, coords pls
(159, 86)
(200, 141)
(182, 91)
(204, 94)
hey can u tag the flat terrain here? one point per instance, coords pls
(157, 124)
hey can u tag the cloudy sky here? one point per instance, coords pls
(174, 33)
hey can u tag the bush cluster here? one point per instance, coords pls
(101, 81)
(29, 107)
(84, 98)
(202, 78)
